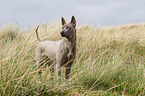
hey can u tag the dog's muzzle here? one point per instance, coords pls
(63, 34)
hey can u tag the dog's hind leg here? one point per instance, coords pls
(38, 59)
(51, 72)
(40, 62)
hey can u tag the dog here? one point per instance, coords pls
(63, 52)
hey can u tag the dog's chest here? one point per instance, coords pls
(65, 55)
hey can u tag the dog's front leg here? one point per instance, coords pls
(58, 70)
(51, 73)
(67, 72)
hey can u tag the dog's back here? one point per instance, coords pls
(48, 48)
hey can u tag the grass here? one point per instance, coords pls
(109, 61)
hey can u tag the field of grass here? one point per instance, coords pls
(109, 61)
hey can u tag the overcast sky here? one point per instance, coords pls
(29, 13)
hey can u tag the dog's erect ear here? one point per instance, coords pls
(62, 21)
(73, 21)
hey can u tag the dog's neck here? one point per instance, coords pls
(71, 43)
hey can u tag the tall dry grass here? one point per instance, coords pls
(109, 61)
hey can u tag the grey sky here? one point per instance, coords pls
(95, 12)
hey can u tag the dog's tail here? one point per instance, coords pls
(37, 34)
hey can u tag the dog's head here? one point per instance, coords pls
(68, 29)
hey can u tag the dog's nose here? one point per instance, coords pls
(62, 33)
